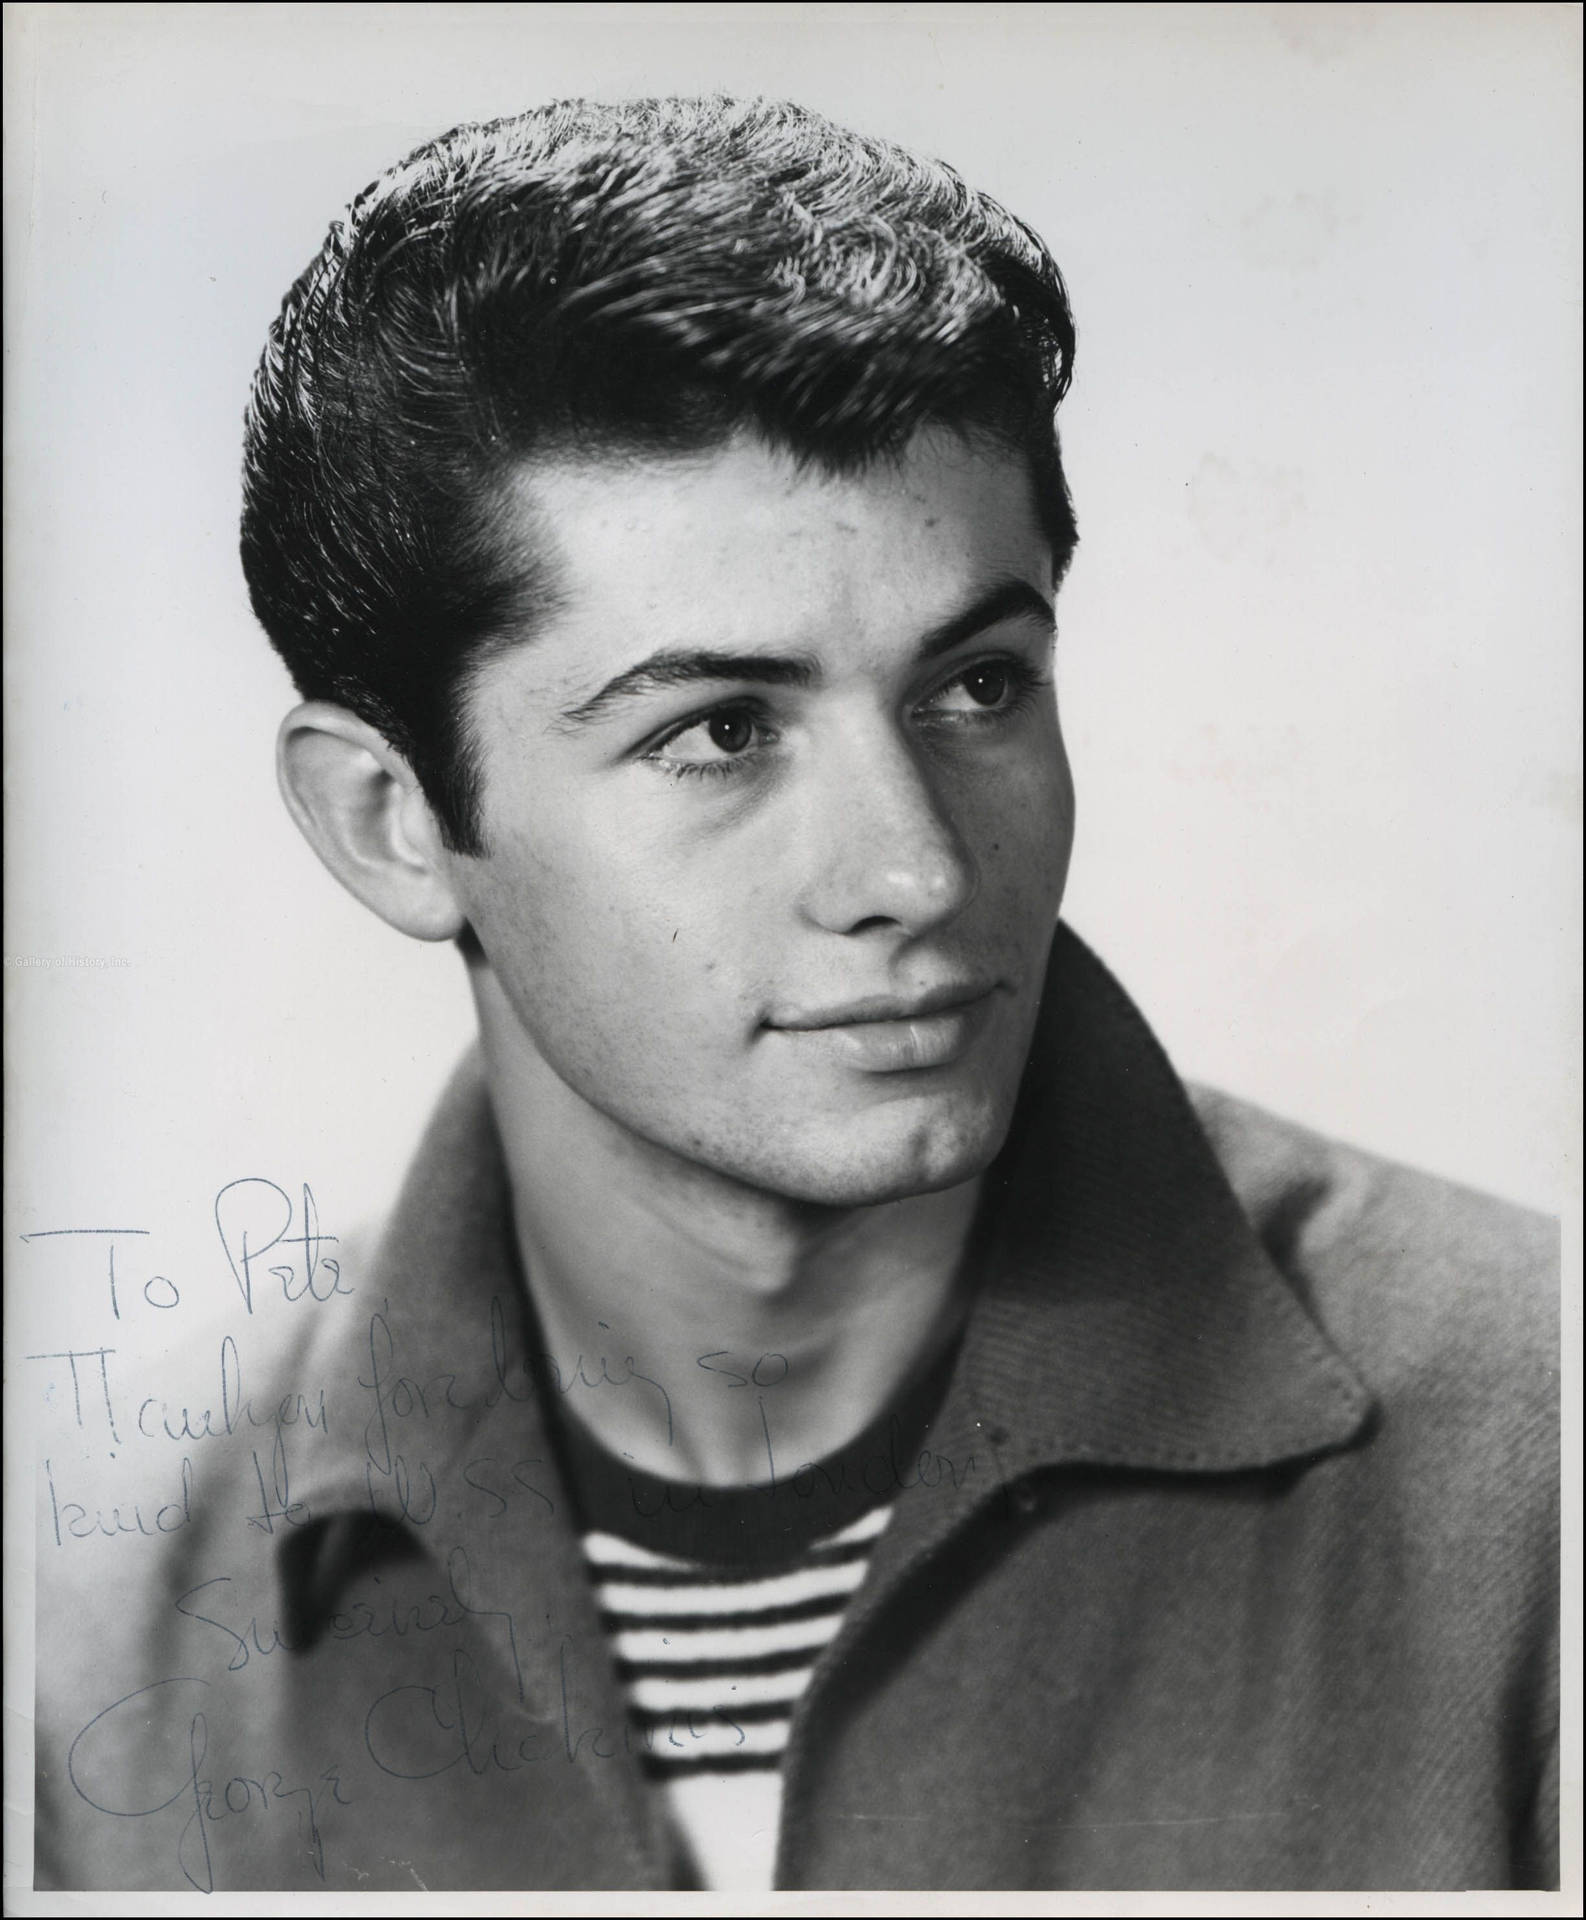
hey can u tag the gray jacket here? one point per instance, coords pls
(1230, 1560)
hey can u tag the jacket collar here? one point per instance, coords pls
(1125, 1313)
(1129, 1315)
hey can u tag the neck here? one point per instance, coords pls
(701, 1328)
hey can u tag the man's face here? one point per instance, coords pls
(778, 811)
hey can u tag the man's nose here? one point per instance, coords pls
(885, 852)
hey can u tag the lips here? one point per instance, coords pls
(886, 1007)
(889, 1033)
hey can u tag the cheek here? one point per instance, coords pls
(1060, 817)
(599, 920)
(1023, 829)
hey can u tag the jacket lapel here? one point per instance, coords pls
(1128, 1315)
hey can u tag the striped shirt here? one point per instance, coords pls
(713, 1659)
(719, 1602)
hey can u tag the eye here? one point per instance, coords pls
(732, 729)
(987, 690)
(987, 684)
(714, 742)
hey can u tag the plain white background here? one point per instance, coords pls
(1319, 655)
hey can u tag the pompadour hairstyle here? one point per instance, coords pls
(589, 281)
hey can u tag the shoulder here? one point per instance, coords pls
(1433, 1290)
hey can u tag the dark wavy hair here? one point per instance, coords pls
(605, 281)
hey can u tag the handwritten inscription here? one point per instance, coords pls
(73, 1520)
(255, 1220)
(208, 1801)
(227, 1488)
(231, 1409)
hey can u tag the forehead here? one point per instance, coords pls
(745, 543)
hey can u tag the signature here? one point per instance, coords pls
(263, 1794)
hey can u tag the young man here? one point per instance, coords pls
(829, 1410)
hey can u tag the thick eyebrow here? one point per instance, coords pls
(680, 667)
(1012, 600)
(683, 667)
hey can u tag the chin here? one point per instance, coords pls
(893, 1156)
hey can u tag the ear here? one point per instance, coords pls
(363, 812)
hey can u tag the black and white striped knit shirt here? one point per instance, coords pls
(718, 1602)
